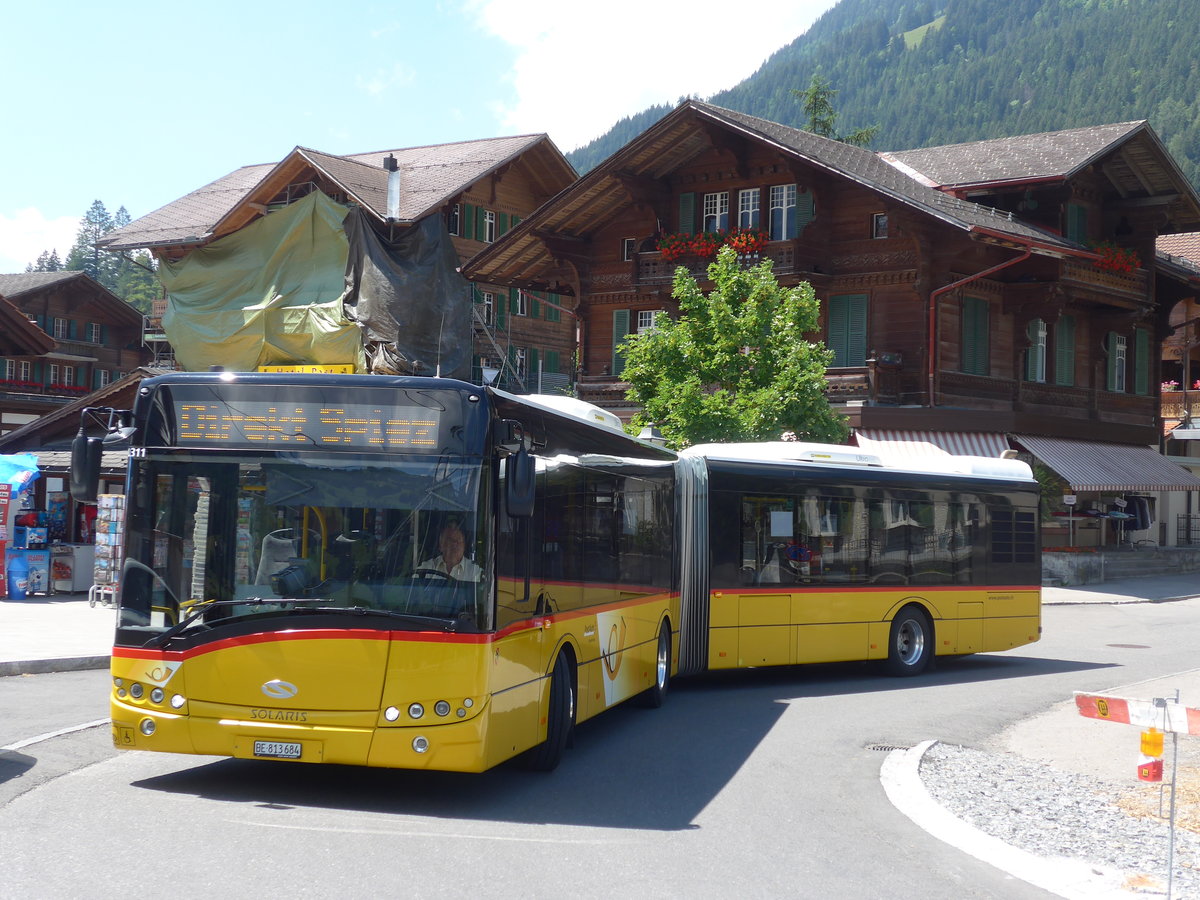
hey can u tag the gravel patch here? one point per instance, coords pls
(1052, 813)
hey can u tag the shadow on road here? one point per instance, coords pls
(629, 768)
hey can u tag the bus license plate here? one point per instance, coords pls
(277, 749)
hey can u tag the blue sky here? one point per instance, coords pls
(137, 103)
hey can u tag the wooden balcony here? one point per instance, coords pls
(651, 268)
(1179, 405)
(1133, 286)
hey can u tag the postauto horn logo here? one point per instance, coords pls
(280, 690)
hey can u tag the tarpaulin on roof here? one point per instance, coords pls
(414, 307)
(268, 294)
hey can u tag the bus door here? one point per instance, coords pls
(771, 566)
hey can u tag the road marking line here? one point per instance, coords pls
(53, 734)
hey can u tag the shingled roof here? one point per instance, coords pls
(19, 336)
(430, 176)
(683, 134)
(13, 287)
(1129, 154)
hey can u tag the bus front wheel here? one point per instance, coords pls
(560, 718)
(910, 646)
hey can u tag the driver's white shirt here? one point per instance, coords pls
(464, 570)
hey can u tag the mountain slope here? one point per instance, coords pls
(931, 73)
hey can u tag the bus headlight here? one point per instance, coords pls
(442, 708)
(147, 727)
(415, 711)
(420, 744)
(391, 714)
(136, 691)
(157, 695)
(177, 701)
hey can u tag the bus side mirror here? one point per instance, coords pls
(519, 478)
(85, 468)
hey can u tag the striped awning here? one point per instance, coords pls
(1090, 466)
(901, 443)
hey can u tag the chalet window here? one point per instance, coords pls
(489, 308)
(879, 225)
(716, 211)
(1064, 351)
(522, 307)
(103, 378)
(1141, 361)
(489, 227)
(453, 220)
(1076, 226)
(1115, 344)
(1035, 356)
(975, 351)
(62, 328)
(645, 319)
(18, 370)
(520, 359)
(95, 333)
(783, 212)
(628, 248)
(848, 329)
(68, 375)
(748, 208)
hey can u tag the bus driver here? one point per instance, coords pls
(452, 545)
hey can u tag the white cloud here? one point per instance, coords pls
(386, 78)
(27, 232)
(581, 67)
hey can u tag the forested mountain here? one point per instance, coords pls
(931, 72)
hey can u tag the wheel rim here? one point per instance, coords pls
(664, 654)
(910, 642)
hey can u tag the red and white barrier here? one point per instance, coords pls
(1170, 717)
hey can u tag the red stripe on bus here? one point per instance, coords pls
(866, 588)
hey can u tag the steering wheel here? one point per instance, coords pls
(434, 573)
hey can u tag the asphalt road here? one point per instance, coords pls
(760, 783)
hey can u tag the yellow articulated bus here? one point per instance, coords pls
(424, 573)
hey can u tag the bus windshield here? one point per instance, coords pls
(215, 539)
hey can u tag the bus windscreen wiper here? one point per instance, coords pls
(203, 607)
(439, 623)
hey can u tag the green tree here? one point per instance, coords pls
(85, 256)
(735, 365)
(821, 117)
(47, 261)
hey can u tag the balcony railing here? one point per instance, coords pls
(1134, 284)
(1181, 404)
(653, 269)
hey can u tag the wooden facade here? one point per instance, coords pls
(93, 339)
(952, 307)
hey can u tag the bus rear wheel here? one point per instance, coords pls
(655, 695)
(910, 646)
(560, 718)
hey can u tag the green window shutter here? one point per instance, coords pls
(501, 223)
(975, 359)
(499, 310)
(1076, 222)
(1064, 351)
(553, 314)
(480, 223)
(467, 223)
(805, 210)
(535, 308)
(1110, 341)
(514, 302)
(71, 329)
(551, 363)
(1141, 361)
(531, 366)
(516, 220)
(1035, 331)
(687, 213)
(620, 330)
(848, 329)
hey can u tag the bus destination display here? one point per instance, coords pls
(291, 423)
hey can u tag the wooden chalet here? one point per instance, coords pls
(479, 189)
(62, 336)
(976, 297)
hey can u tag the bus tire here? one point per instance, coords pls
(560, 718)
(910, 645)
(655, 695)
